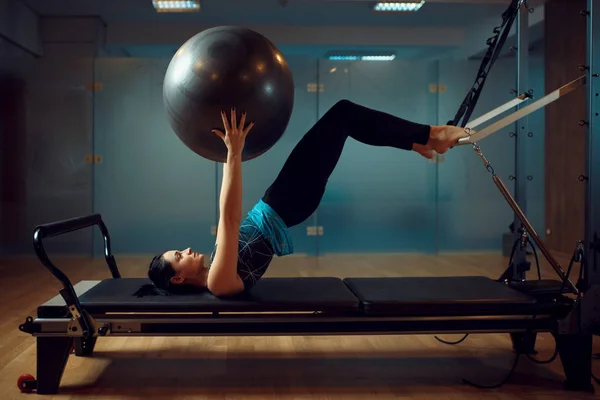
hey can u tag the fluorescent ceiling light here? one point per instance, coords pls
(379, 58)
(362, 57)
(176, 5)
(398, 6)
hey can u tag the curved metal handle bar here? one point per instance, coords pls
(60, 228)
(69, 225)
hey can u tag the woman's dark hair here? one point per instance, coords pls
(160, 273)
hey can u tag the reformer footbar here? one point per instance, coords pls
(517, 115)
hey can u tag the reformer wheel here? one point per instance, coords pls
(26, 383)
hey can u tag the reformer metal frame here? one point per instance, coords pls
(473, 138)
(290, 324)
(518, 202)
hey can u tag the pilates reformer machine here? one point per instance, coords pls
(89, 310)
(83, 312)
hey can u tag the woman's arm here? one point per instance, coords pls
(230, 200)
(223, 279)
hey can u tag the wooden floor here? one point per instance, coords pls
(349, 367)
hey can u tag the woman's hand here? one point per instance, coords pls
(235, 135)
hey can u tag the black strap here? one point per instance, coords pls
(495, 45)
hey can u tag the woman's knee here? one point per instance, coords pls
(344, 105)
(341, 109)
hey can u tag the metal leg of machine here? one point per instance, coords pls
(524, 343)
(576, 356)
(52, 356)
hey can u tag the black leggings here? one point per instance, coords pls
(297, 191)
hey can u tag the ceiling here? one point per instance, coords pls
(287, 12)
(140, 16)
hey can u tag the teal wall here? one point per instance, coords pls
(380, 199)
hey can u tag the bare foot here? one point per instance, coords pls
(424, 150)
(443, 138)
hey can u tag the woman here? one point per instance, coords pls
(245, 248)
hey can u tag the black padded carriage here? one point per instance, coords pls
(401, 296)
(316, 306)
(444, 296)
(269, 295)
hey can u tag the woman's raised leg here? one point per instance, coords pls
(297, 191)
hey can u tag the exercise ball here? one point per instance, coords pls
(224, 67)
